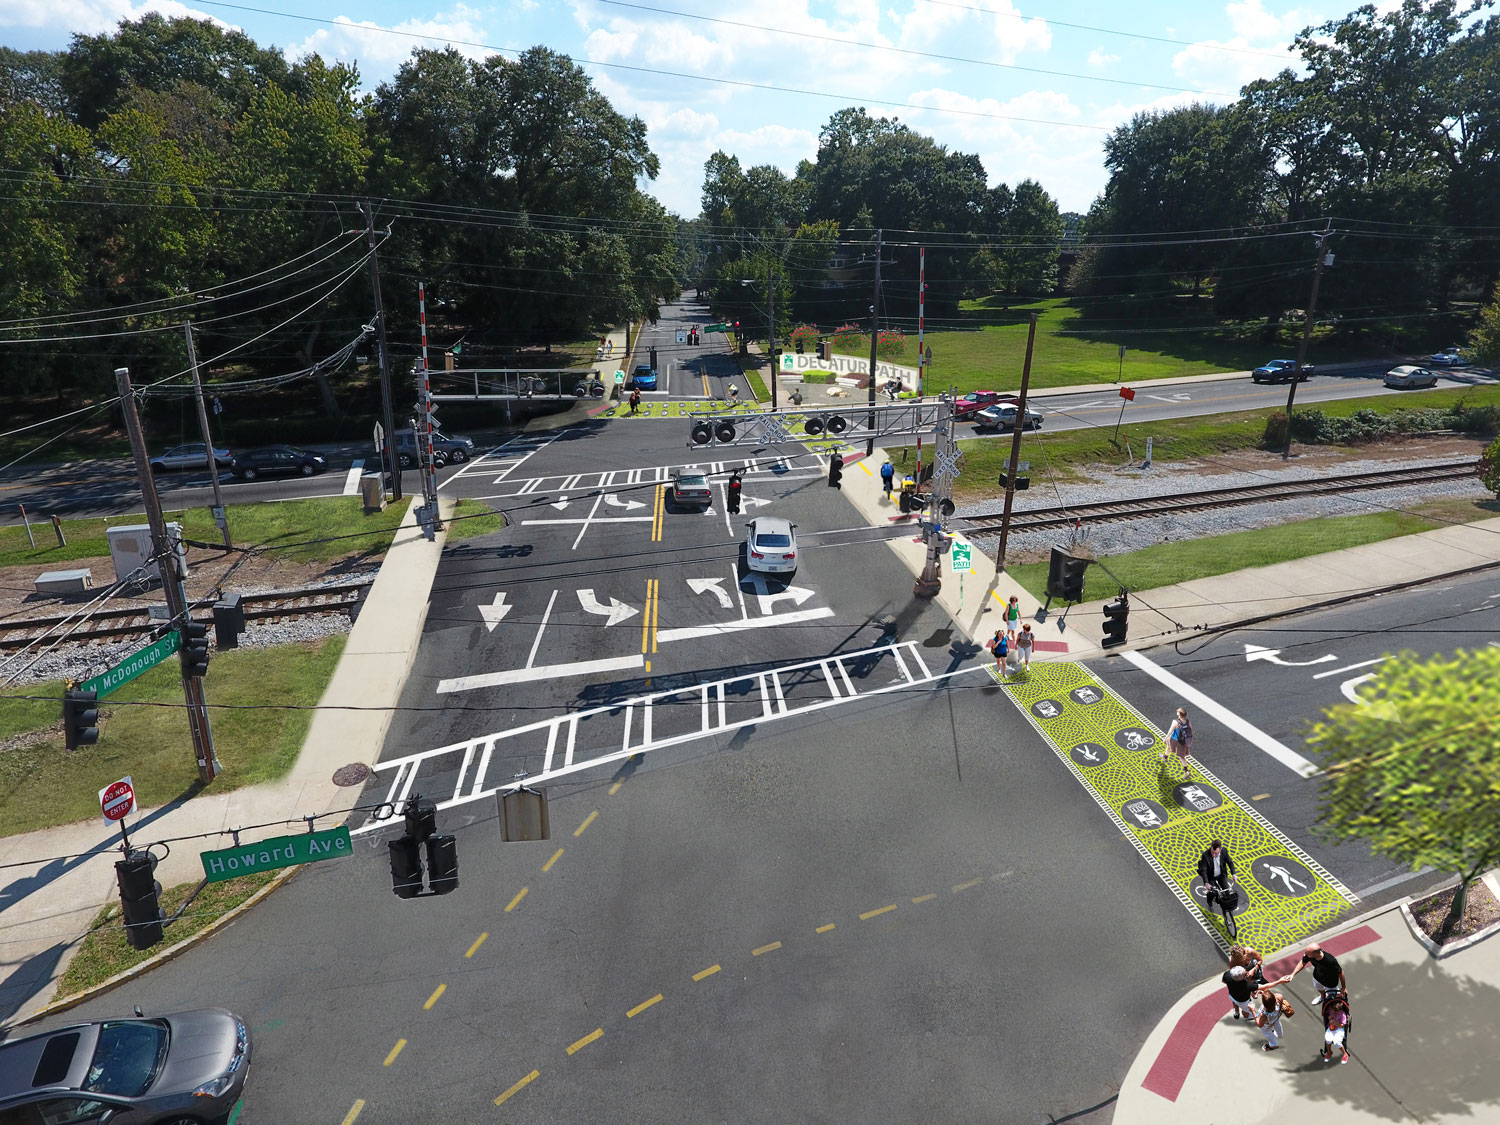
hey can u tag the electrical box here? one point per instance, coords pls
(130, 551)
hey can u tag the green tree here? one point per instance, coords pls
(1027, 230)
(1484, 340)
(1413, 771)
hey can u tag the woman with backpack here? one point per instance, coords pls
(1180, 742)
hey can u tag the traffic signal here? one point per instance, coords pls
(140, 899)
(836, 471)
(732, 495)
(80, 718)
(1072, 579)
(229, 621)
(1022, 483)
(406, 867)
(653, 359)
(1116, 621)
(703, 433)
(194, 652)
(442, 864)
(421, 817)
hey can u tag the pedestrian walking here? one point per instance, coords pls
(1001, 648)
(1024, 644)
(1328, 974)
(1241, 990)
(1013, 616)
(891, 387)
(635, 399)
(1272, 1007)
(887, 477)
(1180, 742)
(1250, 958)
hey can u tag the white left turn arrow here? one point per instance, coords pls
(494, 612)
(616, 611)
(703, 585)
(1259, 652)
(616, 502)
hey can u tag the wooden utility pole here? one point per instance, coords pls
(220, 516)
(1307, 326)
(1015, 448)
(387, 411)
(874, 335)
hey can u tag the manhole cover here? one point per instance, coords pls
(356, 773)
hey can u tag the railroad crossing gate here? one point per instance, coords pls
(1113, 751)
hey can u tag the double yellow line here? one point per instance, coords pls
(652, 618)
(659, 514)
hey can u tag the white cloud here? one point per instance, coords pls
(91, 17)
(1015, 35)
(1257, 49)
(1099, 57)
(380, 49)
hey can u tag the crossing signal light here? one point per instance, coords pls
(1116, 621)
(814, 425)
(140, 899)
(194, 653)
(837, 424)
(703, 433)
(724, 431)
(80, 718)
(733, 494)
(836, 471)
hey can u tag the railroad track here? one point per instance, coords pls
(112, 624)
(1037, 519)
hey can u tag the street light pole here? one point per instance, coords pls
(874, 334)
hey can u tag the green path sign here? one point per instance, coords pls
(139, 661)
(279, 851)
(716, 328)
(963, 558)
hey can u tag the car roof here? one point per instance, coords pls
(20, 1058)
(688, 473)
(1404, 369)
(771, 525)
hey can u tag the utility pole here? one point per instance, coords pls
(423, 439)
(1015, 448)
(874, 334)
(220, 517)
(387, 410)
(921, 318)
(1307, 325)
(171, 580)
(771, 303)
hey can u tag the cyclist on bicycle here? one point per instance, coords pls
(734, 394)
(1216, 869)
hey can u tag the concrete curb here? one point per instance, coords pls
(171, 953)
(1448, 949)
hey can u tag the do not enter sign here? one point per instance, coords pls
(116, 800)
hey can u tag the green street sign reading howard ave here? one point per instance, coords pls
(141, 660)
(279, 851)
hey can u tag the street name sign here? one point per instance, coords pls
(116, 800)
(963, 557)
(716, 328)
(278, 851)
(141, 660)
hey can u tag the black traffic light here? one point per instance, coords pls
(442, 864)
(140, 899)
(229, 621)
(732, 494)
(1065, 576)
(194, 652)
(80, 718)
(406, 867)
(653, 359)
(1022, 483)
(421, 817)
(1116, 621)
(703, 433)
(836, 471)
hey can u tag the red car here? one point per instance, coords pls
(967, 406)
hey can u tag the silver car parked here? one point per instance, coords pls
(191, 455)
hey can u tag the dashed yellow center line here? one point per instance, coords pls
(966, 886)
(557, 855)
(518, 1087)
(872, 913)
(706, 392)
(396, 1050)
(639, 1008)
(708, 972)
(517, 900)
(924, 898)
(586, 1040)
(765, 949)
(586, 822)
(615, 788)
(823, 929)
(1260, 796)
(473, 949)
(354, 1112)
(433, 999)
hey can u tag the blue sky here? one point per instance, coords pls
(1032, 87)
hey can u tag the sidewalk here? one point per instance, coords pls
(1421, 1043)
(47, 906)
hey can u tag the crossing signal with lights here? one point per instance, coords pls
(140, 899)
(194, 652)
(1116, 621)
(732, 494)
(836, 471)
(80, 718)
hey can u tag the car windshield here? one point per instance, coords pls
(773, 539)
(128, 1058)
(691, 481)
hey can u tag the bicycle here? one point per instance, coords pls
(1227, 900)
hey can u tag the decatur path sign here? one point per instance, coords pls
(279, 851)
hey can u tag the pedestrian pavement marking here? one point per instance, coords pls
(924, 898)
(765, 949)
(1114, 751)
(396, 1050)
(517, 900)
(354, 1112)
(872, 913)
(639, 1008)
(519, 1086)
(966, 886)
(557, 855)
(823, 929)
(473, 949)
(586, 822)
(708, 972)
(433, 999)
(585, 1041)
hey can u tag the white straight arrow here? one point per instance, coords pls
(495, 612)
(560, 504)
(616, 611)
(1259, 652)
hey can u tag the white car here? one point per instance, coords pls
(1002, 416)
(1448, 357)
(771, 546)
(1408, 375)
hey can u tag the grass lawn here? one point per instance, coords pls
(42, 784)
(1167, 563)
(105, 951)
(1075, 345)
(472, 518)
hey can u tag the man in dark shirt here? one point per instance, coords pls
(1241, 989)
(1216, 866)
(1328, 975)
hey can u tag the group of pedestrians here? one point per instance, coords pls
(1013, 642)
(1255, 999)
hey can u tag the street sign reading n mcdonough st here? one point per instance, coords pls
(141, 660)
(279, 851)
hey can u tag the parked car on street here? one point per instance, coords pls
(190, 455)
(644, 378)
(1448, 357)
(966, 406)
(690, 488)
(456, 449)
(277, 461)
(1002, 416)
(1408, 375)
(184, 1067)
(771, 546)
(1280, 371)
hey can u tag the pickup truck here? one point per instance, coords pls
(1280, 371)
(444, 448)
(967, 406)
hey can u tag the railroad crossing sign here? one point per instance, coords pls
(963, 557)
(116, 800)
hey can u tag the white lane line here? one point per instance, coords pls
(1376, 888)
(582, 531)
(1251, 734)
(602, 519)
(545, 672)
(695, 631)
(1351, 667)
(530, 660)
(351, 479)
(484, 766)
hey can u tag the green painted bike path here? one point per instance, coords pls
(1114, 752)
